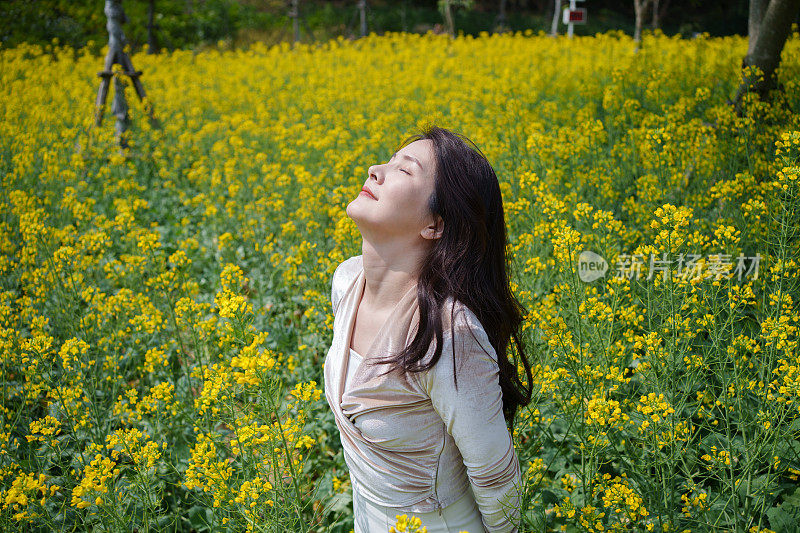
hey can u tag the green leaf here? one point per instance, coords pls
(549, 497)
(340, 502)
(783, 522)
(793, 499)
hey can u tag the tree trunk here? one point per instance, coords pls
(556, 14)
(659, 13)
(362, 8)
(656, 22)
(448, 17)
(639, 9)
(119, 107)
(117, 55)
(152, 41)
(754, 18)
(294, 13)
(116, 43)
(501, 15)
(764, 51)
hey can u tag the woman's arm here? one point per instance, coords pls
(473, 415)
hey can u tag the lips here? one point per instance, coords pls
(368, 192)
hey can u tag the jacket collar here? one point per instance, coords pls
(394, 335)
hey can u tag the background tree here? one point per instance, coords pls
(500, 19)
(152, 40)
(294, 14)
(362, 10)
(118, 56)
(639, 10)
(446, 8)
(556, 15)
(659, 10)
(768, 27)
(190, 24)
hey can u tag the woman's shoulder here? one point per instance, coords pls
(460, 316)
(348, 269)
(465, 348)
(462, 326)
(344, 274)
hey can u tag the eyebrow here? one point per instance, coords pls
(412, 158)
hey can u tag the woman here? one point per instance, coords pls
(422, 411)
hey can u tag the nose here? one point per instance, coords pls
(375, 174)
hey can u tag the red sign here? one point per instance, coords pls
(574, 16)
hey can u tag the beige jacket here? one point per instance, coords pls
(413, 441)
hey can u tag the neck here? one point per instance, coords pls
(390, 270)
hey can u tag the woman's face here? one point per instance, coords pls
(400, 189)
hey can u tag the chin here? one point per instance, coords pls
(365, 222)
(354, 211)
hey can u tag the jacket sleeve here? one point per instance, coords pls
(473, 415)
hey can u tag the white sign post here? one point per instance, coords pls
(573, 15)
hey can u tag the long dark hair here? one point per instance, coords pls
(468, 263)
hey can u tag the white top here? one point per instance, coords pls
(355, 360)
(417, 440)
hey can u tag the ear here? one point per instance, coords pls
(434, 229)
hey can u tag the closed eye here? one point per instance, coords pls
(402, 169)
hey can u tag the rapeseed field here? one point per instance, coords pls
(165, 311)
